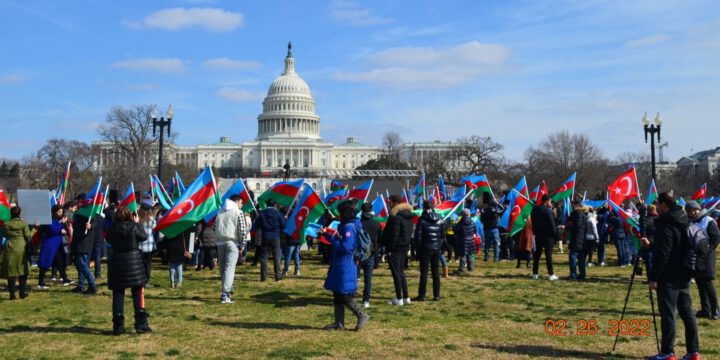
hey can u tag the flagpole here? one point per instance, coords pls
(295, 199)
(372, 181)
(247, 192)
(637, 186)
(461, 202)
(92, 209)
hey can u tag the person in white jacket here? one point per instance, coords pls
(230, 229)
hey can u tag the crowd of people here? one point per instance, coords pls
(677, 244)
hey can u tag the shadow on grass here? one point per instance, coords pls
(289, 299)
(270, 326)
(542, 350)
(53, 329)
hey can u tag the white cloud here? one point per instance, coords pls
(168, 66)
(431, 67)
(212, 19)
(647, 40)
(351, 13)
(232, 94)
(11, 79)
(230, 64)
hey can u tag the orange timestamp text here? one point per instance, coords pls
(590, 327)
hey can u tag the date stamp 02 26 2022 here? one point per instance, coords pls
(590, 327)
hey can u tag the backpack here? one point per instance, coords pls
(363, 245)
(698, 244)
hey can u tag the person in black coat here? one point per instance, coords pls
(396, 239)
(543, 225)
(373, 230)
(705, 263)
(81, 248)
(271, 223)
(465, 241)
(577, 228)
(126, 269)
(207, 242)
(670, 278)
(429, 236)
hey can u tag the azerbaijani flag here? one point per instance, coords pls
(60, 193)
(336, 185)
(129, 201)
(652, 193)
(419, 187)
(159, 193)
(179, 183)
(284, 192)
(566, 190)
(308, 210)
(700, 194)
(379, 207)
(454, 203)
(708, 204)
(681, 201)
(238, 188)
(361, 192)
(199, 199)
(478, 183)
(517, 212)
(87, 206)
(522, 188)
(631, 224)
(4, 206)
(537, 193)
(405, 197)
(336, 196)
(443, 190)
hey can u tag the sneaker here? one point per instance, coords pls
(284, 274)
(603, 264)
(296, 273)
(534, 276)
(53, 279)
(693, 356)
(553, 277)
(395, 302)
(670, 356)
(590, 264)
(227, 300)
(42, 287)
(407, 301)
(68, 282)
(366, 304)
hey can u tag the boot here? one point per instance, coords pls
(141, 323)
(362, 318)
(339, 323)
(118, 324)
(23, 287)
(446, 272)
(11, 288)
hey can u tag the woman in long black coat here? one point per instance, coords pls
(126, 269)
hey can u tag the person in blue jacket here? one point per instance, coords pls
(342, 276)
(51, 240)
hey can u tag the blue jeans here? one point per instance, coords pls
(367, 267)
(443, 260)
(621, 250)
(631, 253)
(176, 272)
(601, 249)
(648, 257)
(291, 252)
(492, 236)
(82, 264)
(577, 259)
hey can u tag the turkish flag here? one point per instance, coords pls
(624, 187)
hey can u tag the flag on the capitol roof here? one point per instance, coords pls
(379, 208)
(87, 206)
(284, 192)
(336, 185)
(238, 188)
(308, 210)
(4, 206)
(700, 194)
(652, 193)
(199, 199)
(478, 184)
(566, 190)
(516, 214)
(361, 192)
(624, 187)
(455, 203)
(129, 201)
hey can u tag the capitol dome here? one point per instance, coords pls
(289, 108)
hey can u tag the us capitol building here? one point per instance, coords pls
(288, 133)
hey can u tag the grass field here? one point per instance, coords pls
(498, 312)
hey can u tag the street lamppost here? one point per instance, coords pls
(161, 122)
(652, 129)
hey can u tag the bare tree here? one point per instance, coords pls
(391, 143)
(478, 154)
(134, 149)
(562, 153)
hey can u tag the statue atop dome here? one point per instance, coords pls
(289, 55)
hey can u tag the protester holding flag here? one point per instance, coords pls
(342, 275)
(489, 217)
(271, 223)
(15, 259)
(543, 226)
(230, 228)
(430, 235)
(374, 230)
(127, 270)
(51, 240)
(396, 239)
(704, 229)
(82, 243)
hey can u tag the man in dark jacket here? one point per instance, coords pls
(81, 247)
(577, 229)
(271, 223)
(429, 236)
(671, 279)
(489, 218)
(705, 263)
(465, 240)
(396, 239)
(543, 225)
(372, 228)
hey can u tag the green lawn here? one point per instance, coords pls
(498, 312)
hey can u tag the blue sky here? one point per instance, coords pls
(513, 70)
